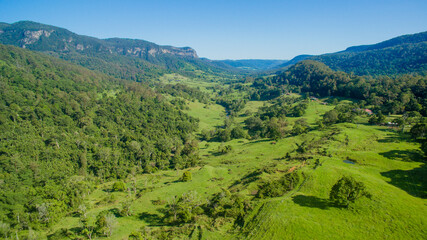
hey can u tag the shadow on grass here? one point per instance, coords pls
(151, 219)
(258, 141)
(395, 136)
(404, 155)
(391, 139)
(413, 181)
(313, 202)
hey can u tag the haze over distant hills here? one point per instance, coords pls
(254, 64)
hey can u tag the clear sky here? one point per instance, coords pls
(231, 29)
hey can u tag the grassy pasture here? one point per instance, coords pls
(391, 166)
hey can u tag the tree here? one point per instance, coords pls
(255, 126)
(87, 230)
(4, 229)
(419, 130)
(183, 209)
(347, 190)
(110, 223)
(43, 212)
(275, 128)
(424, 148)
(126, 208)
(105, 223)
(377, 119)
(82, 210)
(300, 126)
(330, 117)
(100, 222)
(238, 132)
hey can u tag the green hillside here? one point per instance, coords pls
(400, 55)
(62, 125)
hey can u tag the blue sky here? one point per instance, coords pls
(232, 29)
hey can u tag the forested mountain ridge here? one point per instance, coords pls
(63, 125)
(400, 55)
(131, 59)
(40, 37)
(404, 39)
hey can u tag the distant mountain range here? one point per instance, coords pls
(40, 37)
(138, 59)
(404, 54)
(125, 58)
(254, 64)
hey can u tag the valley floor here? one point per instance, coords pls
(391, 166)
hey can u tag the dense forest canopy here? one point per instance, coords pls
(62, 125)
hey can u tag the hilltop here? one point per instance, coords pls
(400, 55)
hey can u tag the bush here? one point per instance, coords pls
(119, 186)
(135, 236)
(186, 176)
(277, 188)
(225, 149)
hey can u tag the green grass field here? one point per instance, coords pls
(391, 166)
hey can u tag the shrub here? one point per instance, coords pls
(136, 236)
(119, 186)
(277, 188)
(225, 149)
(186, 176)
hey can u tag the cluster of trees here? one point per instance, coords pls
(341, 113)
(230, 130)
(284, 107)
(188, 207)
(184, 91)
(419, 133)
(64, 128)
(232, 106)
(396, 94)
(271, 122)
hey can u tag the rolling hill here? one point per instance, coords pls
(400, 55)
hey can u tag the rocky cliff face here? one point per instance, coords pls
(39, 37)
(31, 37)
